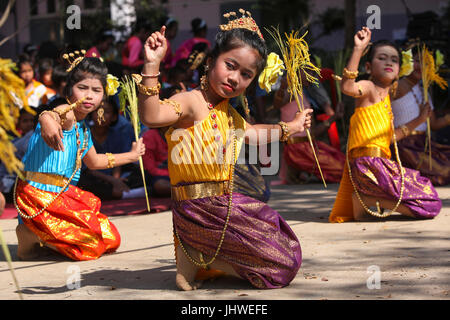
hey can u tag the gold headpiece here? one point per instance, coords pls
(74, 58)
(195, 59)
(244, 22)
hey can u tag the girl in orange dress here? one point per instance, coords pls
(53, 212)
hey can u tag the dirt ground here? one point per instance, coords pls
(397, 258)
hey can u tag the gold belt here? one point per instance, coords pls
(297, 139)
(46, 178)
(199, 190)
(368, 152)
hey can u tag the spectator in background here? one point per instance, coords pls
(104, 41)
(26, 122)
(45, 76)
(34, 90)
(200, 30)
(113, 183)
(59, 81)
(155, 161)
(132, 55)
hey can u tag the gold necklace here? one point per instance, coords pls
(202, 263)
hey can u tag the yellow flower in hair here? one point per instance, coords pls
(407, 64)
(274, 68)
(112, 83)
(439, 59)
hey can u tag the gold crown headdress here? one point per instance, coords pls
(76, 57)
(244, 22)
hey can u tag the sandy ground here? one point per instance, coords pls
(397, 258)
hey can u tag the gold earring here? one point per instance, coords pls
(394, 86)
(100, 113)
(204, 79)
(204, 82)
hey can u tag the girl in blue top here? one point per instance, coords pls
(54, 212)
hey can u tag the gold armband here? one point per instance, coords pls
(284, 131)
(405, 130)
(148, 91)
(349, 74)
(111, 160)
(176, 106)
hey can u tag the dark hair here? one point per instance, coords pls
(382, 43)
(24, 59)
(103, 36)
(238, 38)
(45, 65)
(198, 25)
(87, 66)
(59, 75)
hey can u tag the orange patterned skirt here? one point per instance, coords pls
(72, 224)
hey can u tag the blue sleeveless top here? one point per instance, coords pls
(41, 158)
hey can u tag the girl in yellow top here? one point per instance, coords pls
(370, 178)
(215, 227)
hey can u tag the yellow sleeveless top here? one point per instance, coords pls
(370, 128)
(196, 155)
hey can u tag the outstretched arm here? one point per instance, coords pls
(98, 161)
(257, 134)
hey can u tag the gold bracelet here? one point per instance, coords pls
(349, 74)
(111, 160)
(405, 130)
(175, 104)
(148, 91)
(284, 131)
(53, 115)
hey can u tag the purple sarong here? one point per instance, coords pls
(258, 243)
(380, 177)
(412, 154)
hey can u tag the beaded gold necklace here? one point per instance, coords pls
(217, 136)
(380, 212)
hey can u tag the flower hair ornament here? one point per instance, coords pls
(407, 64)
(272, 71)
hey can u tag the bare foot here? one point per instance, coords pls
(29, 244)
(186, 270)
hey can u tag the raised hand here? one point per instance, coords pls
(155, 46)
(362, 38)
